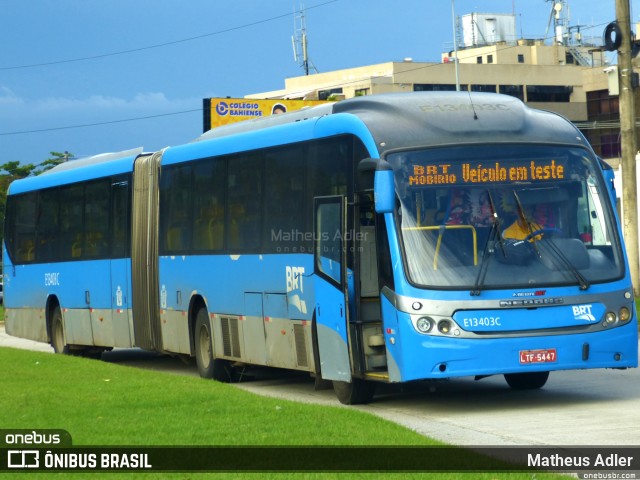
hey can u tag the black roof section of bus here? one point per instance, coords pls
(422, 119)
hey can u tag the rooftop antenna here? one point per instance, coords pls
(559, 15)
(299, 41)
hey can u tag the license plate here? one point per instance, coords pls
(548, 355)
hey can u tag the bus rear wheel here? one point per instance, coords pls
(356, 392)
(526, 381)
(209, 367)
(57, 333)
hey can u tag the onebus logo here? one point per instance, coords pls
(32, 438)
(23, 459)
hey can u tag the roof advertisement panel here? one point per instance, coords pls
(223, 111)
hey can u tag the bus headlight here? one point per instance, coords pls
(424, 324)
(610, 318)
(444, 326)
(624, 314)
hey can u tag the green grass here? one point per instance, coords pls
(105, 404)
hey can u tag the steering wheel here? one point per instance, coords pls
(556, 232)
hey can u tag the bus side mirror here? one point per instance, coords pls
(366, 171)
(384, 189)
(609, 177)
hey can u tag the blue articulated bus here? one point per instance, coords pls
(381, 239)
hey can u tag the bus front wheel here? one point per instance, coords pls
(526, 381)
(57, 333)
(356, 392)
(209, 367)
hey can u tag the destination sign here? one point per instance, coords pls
(485, 173)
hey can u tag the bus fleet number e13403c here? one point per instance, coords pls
(481, 322)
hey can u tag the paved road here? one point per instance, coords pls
(597, 407)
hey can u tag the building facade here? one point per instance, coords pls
(572, 80)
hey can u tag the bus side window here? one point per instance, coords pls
(71, 221)
(285, 176)
(176, 206)
(120, 217)
(47, 245)
(96, 220)
(245, 202)
(23, 211)
(209, 194)
(26, 250)
(209, 228)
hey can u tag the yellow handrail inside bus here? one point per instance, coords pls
(439, 242)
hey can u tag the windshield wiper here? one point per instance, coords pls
(557, 255)
(526, 221)
(493, 233)
(496, 221)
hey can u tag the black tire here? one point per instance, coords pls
(209, 367)
(57, 333)
(355, 392)
(526, 381)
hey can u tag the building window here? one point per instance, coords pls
(548, 93)
(361, 92)
(437, 87)
(325, 94)
(489, 58)
(484, 88)
(602, 107)
(512, 90)
(520, 58)
(478, 59)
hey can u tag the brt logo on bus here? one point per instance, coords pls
(294, 276)
(583, 312)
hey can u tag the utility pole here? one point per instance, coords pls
(628, 143)
(455, 44)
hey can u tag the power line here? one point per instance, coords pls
(159, 45)
(421, 67)
(40, 130)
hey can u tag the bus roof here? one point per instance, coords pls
(423, 119)
(385, 122)
(94, 160)
(77, 170)
(428, 119)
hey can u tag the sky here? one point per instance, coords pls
(96, 76)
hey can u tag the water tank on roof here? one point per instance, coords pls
(480, 29)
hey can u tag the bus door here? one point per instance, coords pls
(108, 299)
(120, 262)
(367, 331)
(331, 288)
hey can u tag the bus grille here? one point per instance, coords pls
(230, 337)
(301, 345)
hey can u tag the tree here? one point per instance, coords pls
(56, 159)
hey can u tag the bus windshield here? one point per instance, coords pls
(504, 216)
